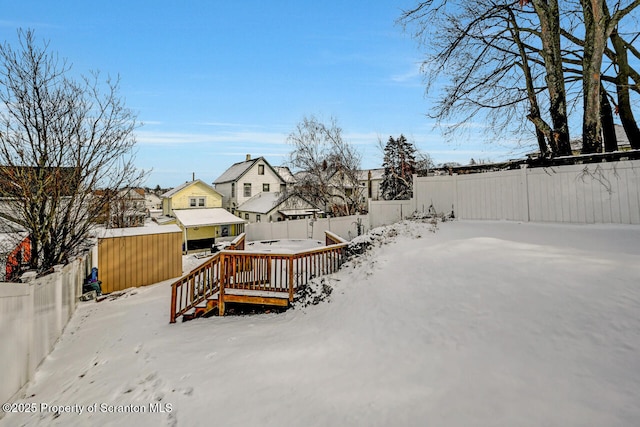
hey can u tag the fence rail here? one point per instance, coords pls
(269, 278)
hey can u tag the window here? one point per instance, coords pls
(196, 202)
(233, 189)
(265, 188)
(257, 218)
(260, 169)
(247, 190)
(246, 216)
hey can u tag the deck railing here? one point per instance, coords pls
(279, 275)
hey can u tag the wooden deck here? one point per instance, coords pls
(236, 276)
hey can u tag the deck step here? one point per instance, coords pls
(201, 310)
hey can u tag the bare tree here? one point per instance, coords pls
(493, 57)
(503, 57)
(599, 25)
(62, 140)
(325, 166)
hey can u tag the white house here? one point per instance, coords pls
(271, 207)
(243, 180)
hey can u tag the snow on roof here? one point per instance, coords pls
(285, 174)
(138, 231)
(297, 212)
(205, 217)
(235, 171)
(260, 203)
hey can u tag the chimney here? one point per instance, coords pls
(248, 157)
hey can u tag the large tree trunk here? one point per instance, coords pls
(549, 15)
(595, 39)
(543, 131)
(622, 89)
(599, 25)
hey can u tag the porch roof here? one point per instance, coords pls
(206, 217)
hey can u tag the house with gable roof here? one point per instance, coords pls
(243, 180)
(271, 207)
(196, 208)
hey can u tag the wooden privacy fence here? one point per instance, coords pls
(252, 277)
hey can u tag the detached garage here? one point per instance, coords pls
(139, 256)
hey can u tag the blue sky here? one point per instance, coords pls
(212, 81)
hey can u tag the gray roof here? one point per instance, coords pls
(236, 171)
(260, 203)
(265, 202)
(206, 217)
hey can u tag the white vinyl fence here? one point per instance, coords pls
(32, 318)
(345, 227)
(389, 211)
(587, 193)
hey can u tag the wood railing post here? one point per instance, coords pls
(173, 305)
(291, 278)
(223, 280)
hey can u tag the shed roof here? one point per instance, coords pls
(138, 231)
(206, 217)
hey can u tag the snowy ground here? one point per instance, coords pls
(475, 324)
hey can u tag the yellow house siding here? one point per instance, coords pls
(201, 233)
(181, 200)
(166, 206)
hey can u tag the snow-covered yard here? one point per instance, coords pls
(475, 324)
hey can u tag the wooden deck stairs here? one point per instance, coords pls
(236, 276)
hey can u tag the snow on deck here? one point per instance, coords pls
(282, 245)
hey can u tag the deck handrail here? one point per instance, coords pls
(263, 271)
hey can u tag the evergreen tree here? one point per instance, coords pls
(399, 166)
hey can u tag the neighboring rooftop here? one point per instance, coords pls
(185, 185)
(260, 203)
(236, 170)
(285, 174)
(206, 217)
(138, 231)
